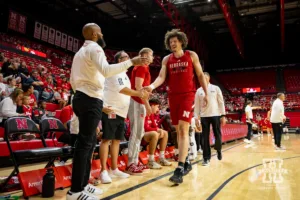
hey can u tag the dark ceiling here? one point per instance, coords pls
(133, 24)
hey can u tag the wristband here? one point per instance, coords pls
(152, 86)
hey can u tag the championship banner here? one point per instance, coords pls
(45, 31)
(37, 30)
(13, 20)
(22, 24)
(51, 36)
(57, 38)
(75, 45)
(70, 43)
(64, 41)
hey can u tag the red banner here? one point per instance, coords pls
(13, 20)
(32, 51)
(22, 24)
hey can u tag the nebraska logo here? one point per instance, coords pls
(21, 124)
(52, 124)
(121, 164)
(35, 184)
(186, 114)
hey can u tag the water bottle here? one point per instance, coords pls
(48, 184)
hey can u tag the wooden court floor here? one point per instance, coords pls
(255, 172)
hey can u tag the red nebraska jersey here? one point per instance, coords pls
(181, 76)
(27, 110)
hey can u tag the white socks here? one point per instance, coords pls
(161, 154)
(151, 158)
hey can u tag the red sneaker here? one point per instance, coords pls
(134, 169)
(145, 168)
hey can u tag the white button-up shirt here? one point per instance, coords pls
(112, 96)
(277, 113)
(90, 68)
(215, 107)
(248, 110)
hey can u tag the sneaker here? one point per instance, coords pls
(134, 169)
(61, 163)
(93, 190)
(104, 177)
(145, 168)
(118, 174)
(219, 155)
(187, 168)
(247, 141)
(80, 195)
(200, 151)
(94, 181)
(164, 162)
(153, 165)
(281, 148)
(205, 163)
(177, 176)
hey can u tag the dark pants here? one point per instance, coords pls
(215, 122)
(278, 130)
(249, 131)
(199, 140)
(89, 112)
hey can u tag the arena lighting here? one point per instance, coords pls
(209, 0)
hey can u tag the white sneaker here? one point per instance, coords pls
(104, 177)
(93, 190)
(61, 163)
(200, 151)
(153, 165)
(80, 195)
(118, 174)
(247, 141)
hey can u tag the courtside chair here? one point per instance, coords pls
(22, 125)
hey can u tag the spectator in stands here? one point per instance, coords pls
(8, 106)
(5, 66)
(13, 71)
(2, 56)
(28, 91)
(41, 112)
(58, 98)
(153, 134)
(11, 85)
(23, 71)
(38, 86)
(2, 88)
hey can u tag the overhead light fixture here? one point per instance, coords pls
(134, 16)
(76, 9)
(209, 0)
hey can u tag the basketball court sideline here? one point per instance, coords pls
(253, 171)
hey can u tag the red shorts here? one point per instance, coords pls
(181, 107)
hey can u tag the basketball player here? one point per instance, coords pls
(140, 77)
(268, 123)
(89, 69)
(179, 67)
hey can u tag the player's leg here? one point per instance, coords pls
(162, 147)
(152, 138)
(104, 177)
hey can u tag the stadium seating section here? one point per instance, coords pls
(292, 80)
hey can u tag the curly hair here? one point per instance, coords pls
(181, 36)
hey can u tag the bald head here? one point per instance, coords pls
(91, 31)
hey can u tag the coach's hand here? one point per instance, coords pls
(205, 99)
(223, 121)
(107, 110)
(138, 60)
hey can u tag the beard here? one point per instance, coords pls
(101, 42)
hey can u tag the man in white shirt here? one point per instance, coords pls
(117, 92)
(214, 113)
(89, 69)
(249, 120)
(278, 119)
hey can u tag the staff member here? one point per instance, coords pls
(213, 113)
(278, 119)
(249, 120)
(117, 92)
(88, 73)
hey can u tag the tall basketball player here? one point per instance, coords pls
(179, 68)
